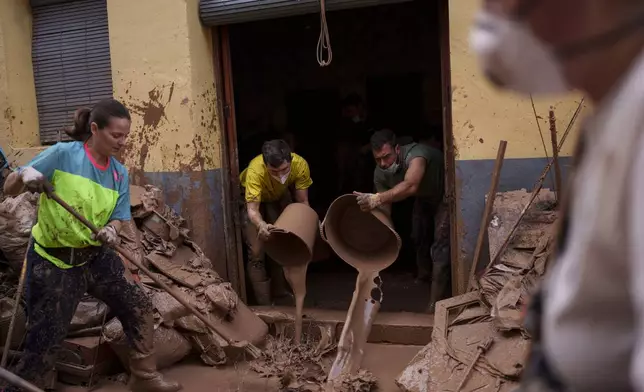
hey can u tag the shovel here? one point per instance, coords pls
(251, 349)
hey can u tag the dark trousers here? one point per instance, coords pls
(53, 294)
(430, 233)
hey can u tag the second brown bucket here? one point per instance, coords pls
(365, 240)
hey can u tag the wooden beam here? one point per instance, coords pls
(485, 219)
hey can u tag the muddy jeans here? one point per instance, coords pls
(430, 233)
(53, 294)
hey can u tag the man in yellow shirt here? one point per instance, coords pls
(271, 181)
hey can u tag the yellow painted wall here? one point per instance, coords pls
(18, 110)
(162, 69)
(483, 115)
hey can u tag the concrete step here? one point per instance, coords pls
(400, 328)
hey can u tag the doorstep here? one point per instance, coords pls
(402, 328)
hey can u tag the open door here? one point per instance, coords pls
(230, 161)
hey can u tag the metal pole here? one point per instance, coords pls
(18, 381)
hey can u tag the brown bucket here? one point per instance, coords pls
(365, 240)
(293, 241)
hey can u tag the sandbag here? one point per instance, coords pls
(169, 308)
(17, 217)
(89, 313)
(170, 346)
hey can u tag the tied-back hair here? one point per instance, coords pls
(100, 114)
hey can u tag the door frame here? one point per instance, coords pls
(230, 184)
(459, 271)
(231, 195)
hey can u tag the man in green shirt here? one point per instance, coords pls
(415, 170)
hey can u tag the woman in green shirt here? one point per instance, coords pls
(65, 260)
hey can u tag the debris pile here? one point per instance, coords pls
(304, 367)
(492, 312)
(17, 216)
(159, 237)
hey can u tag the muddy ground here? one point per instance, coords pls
(385, 361)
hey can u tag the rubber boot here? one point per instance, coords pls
(441, 284)
(260, 282)
(145, 377)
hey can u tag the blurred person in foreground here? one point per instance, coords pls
(587, 320)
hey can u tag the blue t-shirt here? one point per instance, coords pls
(99, 193)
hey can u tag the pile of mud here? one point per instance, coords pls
(304, 367)
(493, 311)
(159, 238)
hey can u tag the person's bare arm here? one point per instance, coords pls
(255, 216)
(302, 196)
(408, 186)
(13, 185)
(117, 225)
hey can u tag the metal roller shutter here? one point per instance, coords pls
(225, 12)
(71, 60)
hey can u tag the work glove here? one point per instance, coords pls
(368, 201)
(264, 230)
(108, 236)
(33, 179)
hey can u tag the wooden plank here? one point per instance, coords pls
(489, 203)
(555, 151)
(174, 271)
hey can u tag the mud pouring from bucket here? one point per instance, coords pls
(291, 245)
(368, 242)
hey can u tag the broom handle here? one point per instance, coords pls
(12, 323)
(149, 273)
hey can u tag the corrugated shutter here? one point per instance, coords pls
(224, 12)
(71, 59)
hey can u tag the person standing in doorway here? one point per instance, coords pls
(272, 180)
(65, 260)
(415, 170)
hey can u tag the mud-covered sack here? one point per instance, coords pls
(17, 217)
(170, 346)
(89, 313)
(168, 308)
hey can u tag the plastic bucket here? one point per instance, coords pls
(293, 242)
(365, 240)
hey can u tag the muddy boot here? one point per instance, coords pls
(440, 286)
(260, 282)
(146, 378)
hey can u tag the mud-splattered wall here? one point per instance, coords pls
(162, 67)
(482, 116)
(18, 110)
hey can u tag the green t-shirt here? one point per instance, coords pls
(432, 184)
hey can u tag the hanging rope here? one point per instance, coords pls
(324, 42)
